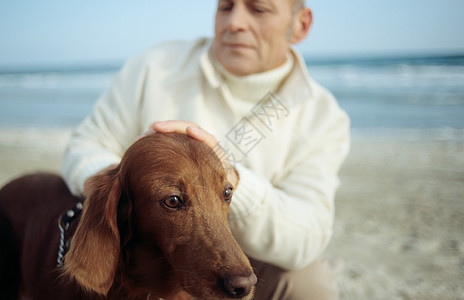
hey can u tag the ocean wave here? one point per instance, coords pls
(56, 80)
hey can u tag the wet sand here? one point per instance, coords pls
(399, 212)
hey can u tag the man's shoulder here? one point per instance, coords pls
(309, 97)
(172, 52)
(302, 88)
(167, 60)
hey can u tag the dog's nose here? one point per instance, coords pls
(238, 286)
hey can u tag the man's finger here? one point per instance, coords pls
(173, 126)
(202, 136)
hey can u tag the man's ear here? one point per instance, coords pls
(301, 25)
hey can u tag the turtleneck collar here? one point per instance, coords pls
(252, 88)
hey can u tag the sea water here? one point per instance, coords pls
(397, 92)
(50, 98)
(420, 93)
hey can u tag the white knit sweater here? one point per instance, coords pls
(285, 134)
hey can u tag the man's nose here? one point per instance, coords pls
(238, 19)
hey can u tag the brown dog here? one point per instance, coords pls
(153, 227)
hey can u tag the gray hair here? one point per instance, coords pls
(297, 5)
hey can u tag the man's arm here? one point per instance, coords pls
(289, 223)
(101, 139)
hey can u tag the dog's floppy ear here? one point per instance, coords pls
(95, 247)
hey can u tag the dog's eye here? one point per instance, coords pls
(228, 194)
(173, 202)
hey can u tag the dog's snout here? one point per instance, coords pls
(238, 286)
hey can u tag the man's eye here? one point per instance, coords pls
(225, 7)
(259, 10)
(173, 202)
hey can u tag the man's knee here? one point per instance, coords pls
(317, 281)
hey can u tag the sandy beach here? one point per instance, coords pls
(400, 209)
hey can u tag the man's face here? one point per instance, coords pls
(252, 36)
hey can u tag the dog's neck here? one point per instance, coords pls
(146, 271)
(67, 224)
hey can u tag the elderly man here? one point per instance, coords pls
(248, 95)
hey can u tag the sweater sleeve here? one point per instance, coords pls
(289, 223)
(101, 139)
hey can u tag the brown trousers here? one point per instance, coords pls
(315, 282)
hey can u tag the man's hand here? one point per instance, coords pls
(194, 131)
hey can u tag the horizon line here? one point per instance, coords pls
(315, 59)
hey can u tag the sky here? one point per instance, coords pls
(106, 31)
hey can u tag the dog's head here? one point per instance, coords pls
(160, 220)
